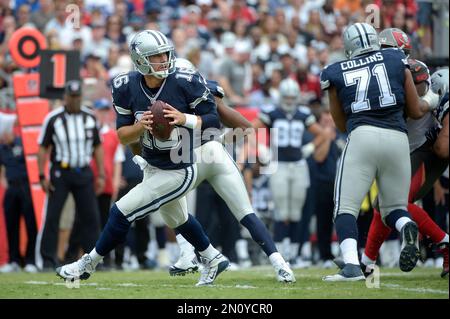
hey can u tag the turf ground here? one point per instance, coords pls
(253, 283)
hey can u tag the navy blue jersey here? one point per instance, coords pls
(442, 110)
(185, 91)
(290, 127)
(215, 88)
(13, 159)
(370, 88)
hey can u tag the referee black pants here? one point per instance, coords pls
(80, 182)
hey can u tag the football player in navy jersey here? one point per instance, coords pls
(369, 94)
(290, 183)
(167, 178)
(226, 179)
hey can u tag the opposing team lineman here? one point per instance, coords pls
(369, 94)
(427, 165)
(225, 178)
(166, 180)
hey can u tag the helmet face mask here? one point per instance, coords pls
(395, 38)
(289, 95)
(360, 38)
(149, 43)
(439, 81)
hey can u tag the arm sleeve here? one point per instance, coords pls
(215, 89)
(207, 110)
(324, 79)
(201, 102)
(310, 119)
(97, 140)
(121, 103)
(45, 136)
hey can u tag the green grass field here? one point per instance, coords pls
(254, 283)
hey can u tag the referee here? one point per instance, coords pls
(70, 133)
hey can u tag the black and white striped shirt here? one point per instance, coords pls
(73, 136)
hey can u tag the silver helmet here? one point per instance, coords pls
(394, 37)
(360, 38)
(439, 81)
(289, 95)
(148, 43)
(184, 64)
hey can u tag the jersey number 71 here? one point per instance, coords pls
(361, 78)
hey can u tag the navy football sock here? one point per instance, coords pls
(346, 227)
(395, 215)
(280, 231)
(161, 238)
(259, 233)
(294, 232)
(194, 233)
(114, 233)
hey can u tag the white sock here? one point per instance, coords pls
(95, 257)
(366, 260)
(242, 249)
(277, 260)
(209, 252)
(444, 240)
(401, 222)
(185, 246)
(349, 250)
(173, 252)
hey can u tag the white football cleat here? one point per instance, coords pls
(11, 267)
(349, 272)
(81, 269)
(284, 273)
(30, 268)
(212, 268)
(186, 264)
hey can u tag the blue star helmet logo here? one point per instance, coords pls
(134, 46)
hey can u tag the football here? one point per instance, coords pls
(161, 127)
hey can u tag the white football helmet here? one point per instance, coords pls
(289, 95)
(184, 64)
(148, 43)
(360, 38)
(439, 81)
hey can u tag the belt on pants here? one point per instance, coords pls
(67, 167)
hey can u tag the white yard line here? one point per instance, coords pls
(129, 284)
(32, 282)
(419, 289)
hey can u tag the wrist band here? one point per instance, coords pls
(41, 177)
(191, 121)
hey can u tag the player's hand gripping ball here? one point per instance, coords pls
(161, 129)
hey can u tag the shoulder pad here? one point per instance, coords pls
(215, 88)
(194, 86)
(267, 108)
(304, 109)
(120, 88)
(324, 78)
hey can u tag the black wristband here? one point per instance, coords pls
(41, 177)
